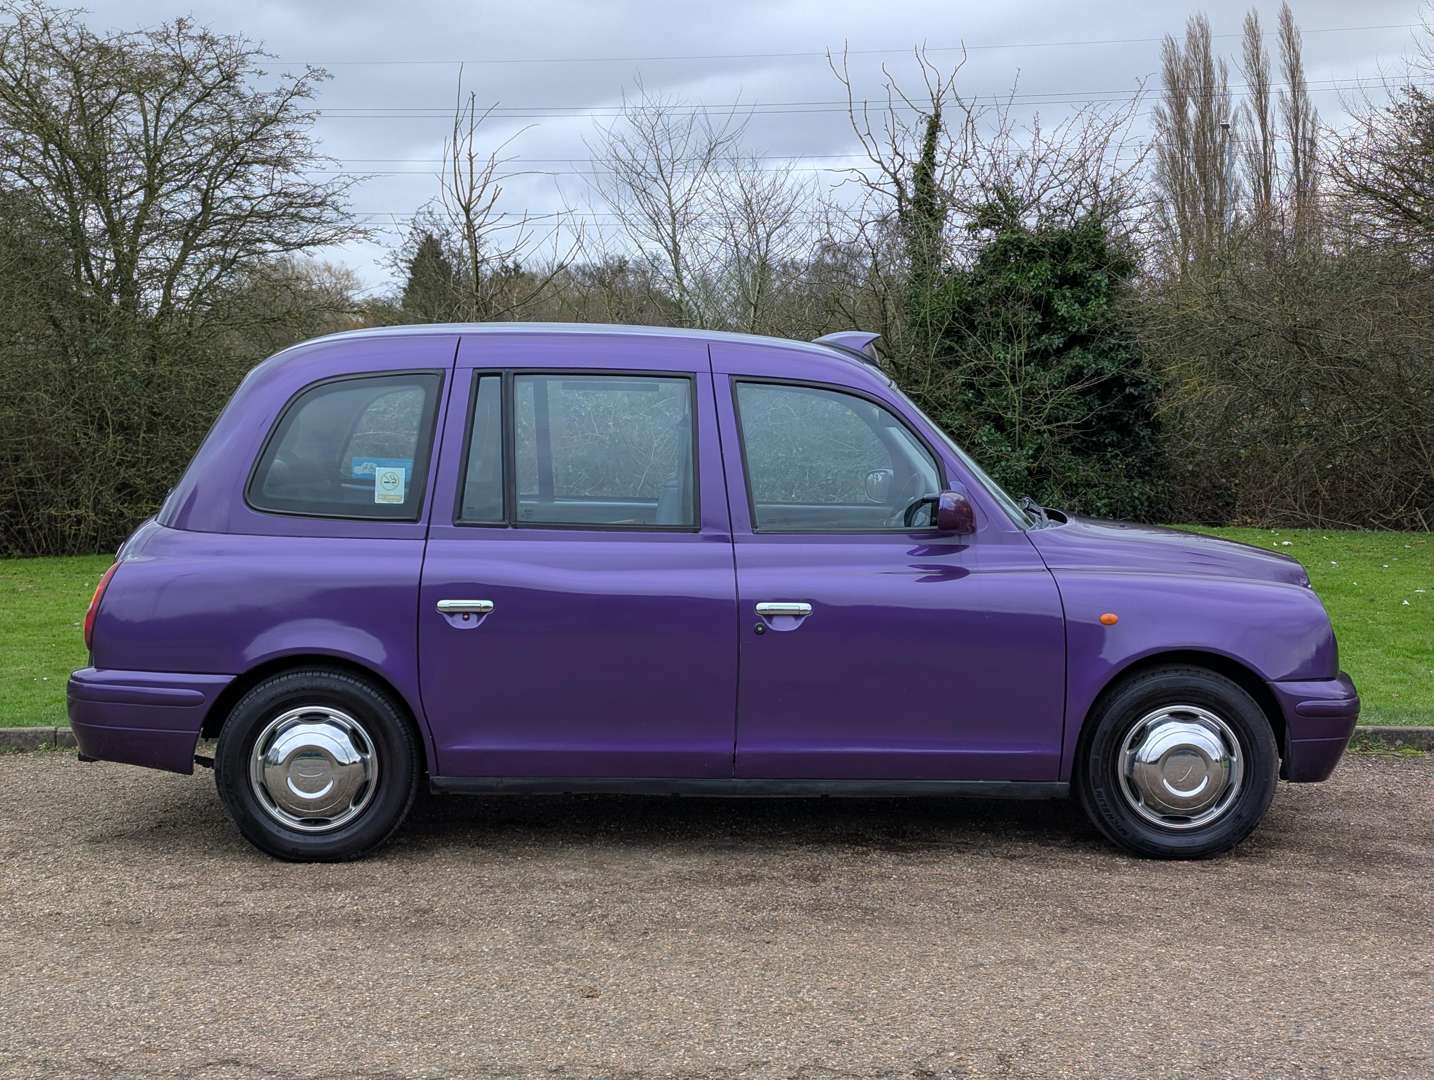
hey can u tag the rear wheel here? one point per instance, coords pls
(1179, 763)
(317, 765)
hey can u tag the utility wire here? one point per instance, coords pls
(689, 57)
(1028, 97)
(807, 108)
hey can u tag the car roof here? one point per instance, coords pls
(827, 349)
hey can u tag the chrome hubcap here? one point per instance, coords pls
(1181, 767)
(313, 768)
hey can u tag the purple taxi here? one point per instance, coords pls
(567, 558)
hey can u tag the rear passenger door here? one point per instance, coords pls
(577, 613)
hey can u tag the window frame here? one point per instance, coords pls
(850, 391)
(477, 375)
(423, 450)
(509, 440)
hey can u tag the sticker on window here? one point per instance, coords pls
(360, 467)
(388, 484)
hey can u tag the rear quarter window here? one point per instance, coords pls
(353, 447)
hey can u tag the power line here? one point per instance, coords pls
(399, 221)
(853, 159)
(539, 216)
(1023, 97)
(586, 160)
(690, 57)
(1127, 152)
(562, 172)
(788, 108)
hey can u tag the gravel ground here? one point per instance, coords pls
(587, 937)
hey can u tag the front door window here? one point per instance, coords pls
(820, 460)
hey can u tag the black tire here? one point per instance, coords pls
(1097, 779)
(384, 723)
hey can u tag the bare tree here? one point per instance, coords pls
(488, 244)
(165, 172)
(919, 146)
(656, 170)
(1386, 171)
(855, 276)
(936, 161)
(1301, 132)
(1383, 164)
(613, 288)
(1298, 389)
(1087, 165)
(764, 231)
(154, 184)
(915, 142)
(1279, 144)
(1259, 150)
(287, 300)
(1195, 136)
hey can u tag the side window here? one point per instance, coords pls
(820, 460)
(604, 450)
(482, 500)
(352, 448)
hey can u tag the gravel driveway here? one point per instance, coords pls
(585, 937)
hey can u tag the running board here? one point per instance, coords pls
(758, 788)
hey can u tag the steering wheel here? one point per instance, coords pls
(906, 506)
(905, 517)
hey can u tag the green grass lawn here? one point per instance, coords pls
(42, 614)
(1378, 587)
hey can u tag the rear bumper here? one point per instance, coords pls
(141, 717)
(1319, 719)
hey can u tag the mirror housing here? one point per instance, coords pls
(954, 512)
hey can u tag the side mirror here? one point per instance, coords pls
(878, 486)
(954, 512)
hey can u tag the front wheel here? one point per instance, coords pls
(1179, 763)
(316, 765)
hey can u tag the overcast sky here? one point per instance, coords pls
(571, 59)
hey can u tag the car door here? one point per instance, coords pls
(873, 649)
(578, 607)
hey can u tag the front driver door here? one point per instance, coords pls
(872, 649)
(577, 614)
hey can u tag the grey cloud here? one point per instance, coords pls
(338, 32)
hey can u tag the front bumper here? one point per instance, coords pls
(1319, 719)
(144, 718)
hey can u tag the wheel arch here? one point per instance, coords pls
(241, 684)
(1238, 673)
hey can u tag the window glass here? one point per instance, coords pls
(604, 450)
(355, 448)
(1009, 505)
(483, 473)
(820, 460)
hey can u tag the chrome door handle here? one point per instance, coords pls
(772, 608)
(464, 607)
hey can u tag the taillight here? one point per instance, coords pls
(95, 604)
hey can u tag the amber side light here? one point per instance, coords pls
(1110, 618)
(95, 604)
